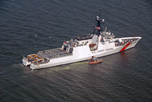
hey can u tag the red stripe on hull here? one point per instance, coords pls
(124, 48)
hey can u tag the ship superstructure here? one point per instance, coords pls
(100, 43)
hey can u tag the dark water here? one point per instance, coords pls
(27, 26)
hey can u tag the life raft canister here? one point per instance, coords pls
(29, 56)
(35, 59)
(92, 45)
(34, 55)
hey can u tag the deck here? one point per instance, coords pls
(53, 53)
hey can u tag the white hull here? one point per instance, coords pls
(82, 55)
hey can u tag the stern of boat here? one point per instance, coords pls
(25, 62)
(33, 66)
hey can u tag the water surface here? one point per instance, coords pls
(29, 26)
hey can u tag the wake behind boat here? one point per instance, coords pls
(100, 43)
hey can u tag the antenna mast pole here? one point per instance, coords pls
(100, 13)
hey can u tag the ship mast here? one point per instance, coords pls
(98, 27)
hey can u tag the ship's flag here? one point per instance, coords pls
(97, 28)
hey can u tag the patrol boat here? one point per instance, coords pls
(100, 43)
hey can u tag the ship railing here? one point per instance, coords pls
(84, 37)
(124, 41)
(77, 44)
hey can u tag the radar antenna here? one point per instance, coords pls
(98, 28)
